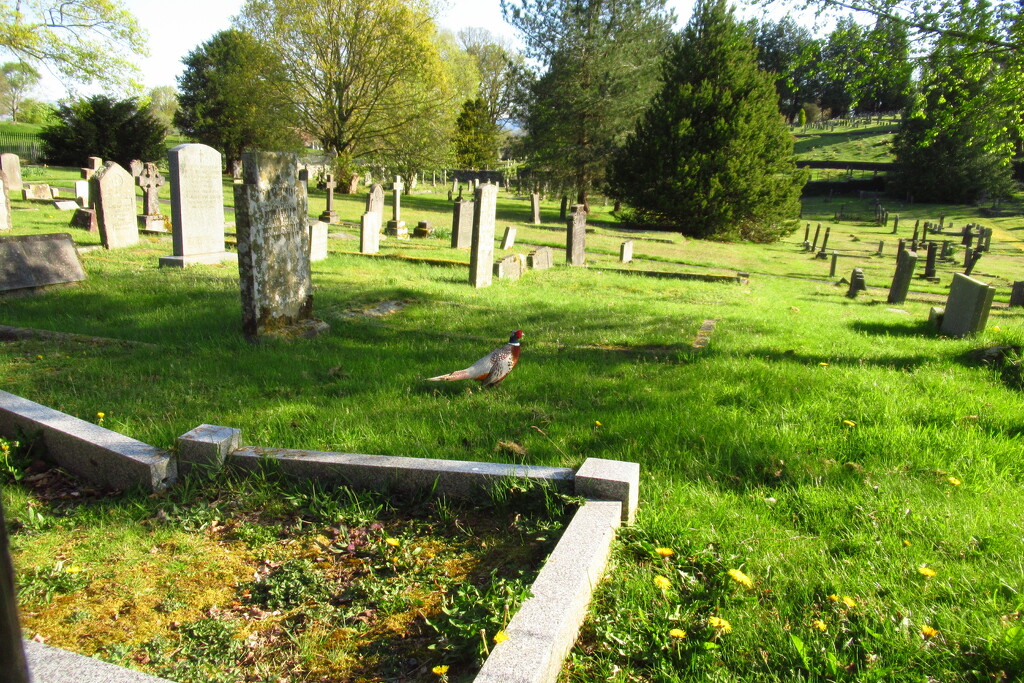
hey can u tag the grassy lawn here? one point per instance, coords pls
(860, 475)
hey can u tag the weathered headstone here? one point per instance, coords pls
(369, 232)
(39, 193)
(563, 208)
(10, 165)
(197, 206)
(541, 258)
(626, 252)
(814, 243)
(462, 224)
(929, 264)
(150, 180)
(1017, 294)
(396, 226)
(481, 255)
(113, 190)
(31, 261)
(508, 240)
(906, 261)
(535, 208)
(329, 215)
(835, 262)
(82, 194)
(86, 220)
(273, 247)
(971, 258)
(5, 205)
(857, 283)
(824, 243)
(967, 307)
(318, 240)
(511, 267)
(576, 235)
(304, 178)
(881, 246)
(375, 201)
(423, 229)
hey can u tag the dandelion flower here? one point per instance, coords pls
(73, 570)
(834, 597)
(39, 357)
(929, 632)
(926, 572)
(101, 415)
(741, 578)
(954, 481)
(824, 365)
(906, 543)
(849, 423)
(500, 637)
(849, 602)
(597, 423)
(440, 669)
(665, 552)
(393, 542)
(820, 625)
(720, 624)
(662, 583)
(677, 633)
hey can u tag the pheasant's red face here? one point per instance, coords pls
(516, 336)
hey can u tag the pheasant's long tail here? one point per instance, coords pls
(451, 376)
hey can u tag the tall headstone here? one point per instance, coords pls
(626, 252)
(150, 180)
(318, 240)
(1017, 294)
(375, 201)
(5, 206)
(10, 164)
(824, 242)
(817, 231)
(967, 307)
(906, 261)
(197, 206)
(329, 215)
(576, 235)
(273, 246)
(508, 240)
(396, 226)
(481, 255)
(462, 224)
(113, 190)
(535, 208)
(563, 207)
(929, 264)
(369, 232)
(82, 194)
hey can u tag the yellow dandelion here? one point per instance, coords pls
(954, 481)
(741, 578)
(73, 570)
(824, 365)
(393, 542)
(720, 624)
(820, 625)
(665, 552)
(39, 357)
(677, 633)
(834, 597)
(662, 583)
(926, 572)
(500, 637)
(849, 602)
(597, 423)
(849, 423)
(440, 669)
(907, 543)
(101, 415)
(929, 632)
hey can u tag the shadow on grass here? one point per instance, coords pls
(911, 328)
(791, 356)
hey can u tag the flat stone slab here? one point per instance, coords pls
(52, 665)
(544, 629)
(456, 478)
(617, 480)
(38, 260)
(97, 455)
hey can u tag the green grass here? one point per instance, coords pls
(864, 143)
(810, 445)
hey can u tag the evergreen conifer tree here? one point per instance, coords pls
(712, 157)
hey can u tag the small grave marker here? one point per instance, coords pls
(318, 240)
(30, 261)
(508, 240)
(857, 283)
(113, 190)
(906, 261)
(369, 232)
(967, 308)
(511, 267)
(541, 258)
(626, 252)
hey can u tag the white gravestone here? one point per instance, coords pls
(197, 206)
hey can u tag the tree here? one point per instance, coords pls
(163, 105)
(888, 81)
(956, 142)
(842, 67)
(788, 51)
(477, 138)
(232, 97)
(599, 69)
(85, 40)
(16, 80)
(120, 130)
(500, 68)
(360, 73)
(34, 111)
(712, 157)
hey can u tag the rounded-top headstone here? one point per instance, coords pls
(197, 199)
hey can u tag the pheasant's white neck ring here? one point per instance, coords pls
(514, 343)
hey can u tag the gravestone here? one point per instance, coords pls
(273, 247)
(817, 231)
(31, 261)
(92, 164)
(541, 258)
(508, 240)
(86, 220)
(113, 190)
(881, 246)
(10, 165)
(197, 206)
(824, 243)
(38, 193)
(563, 208)
(396, 226)
(303, 178)
(971, 258)
(5, 205)
(423, 229)
(535, 208)
(967, 307)
(329, 215)
(369, 232)
(481, 254)
(857, 283)
(318, 240)
(375, 201)
(65, 205)
(150, 180)
(835, 262)
(929, 264)
(626, 252)
(462, 224)
(1017, 294)
(895, 224)
(906, 261)
(82, 194)
(511, 267)
(575, 236)
(236, 171)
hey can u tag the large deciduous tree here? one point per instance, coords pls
(366, 77)
(712, 157)
(789, 52)
(501, 68)
(16, 80)
(888, 82)
(120, 130)
(231, 97)
(599, 69)
(85, 40)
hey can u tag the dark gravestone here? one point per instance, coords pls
(576, 235)
(423, 229)
(835, 262)
(906, 261)
(971, 258)
(85, 219)
(824, 243)
(462, 224)
(1017, 294)
(967, 307)
(857, 283)
(814, 243)
(807, 232)
(563, 208)
(38, 260)
(929, 264)
(895, 224)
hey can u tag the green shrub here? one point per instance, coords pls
(117, 130)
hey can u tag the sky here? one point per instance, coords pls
(176, 28)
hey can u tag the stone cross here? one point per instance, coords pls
(150, 180)
(399, 186)
(329, 213)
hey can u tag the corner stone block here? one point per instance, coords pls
(602, 479)
(206, 447)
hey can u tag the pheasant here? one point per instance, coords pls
(490, 369)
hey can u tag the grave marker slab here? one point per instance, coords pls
(369, 232)
(626, 252)
(197, 206)
(511, 267)
(318, 240)
(967, 307)
(423, 229)
(462, 224)
(38, 193)
(1017, 294)
(29, 261)
(576, 234)
(541, 258)
(906, 261)
(113, 190)
(82, 194)
(65, 205)
(375, 201)
(5, 205)
(857, 283)
(508, 240)
(86, 220)
(10, 165)
(481, 256)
